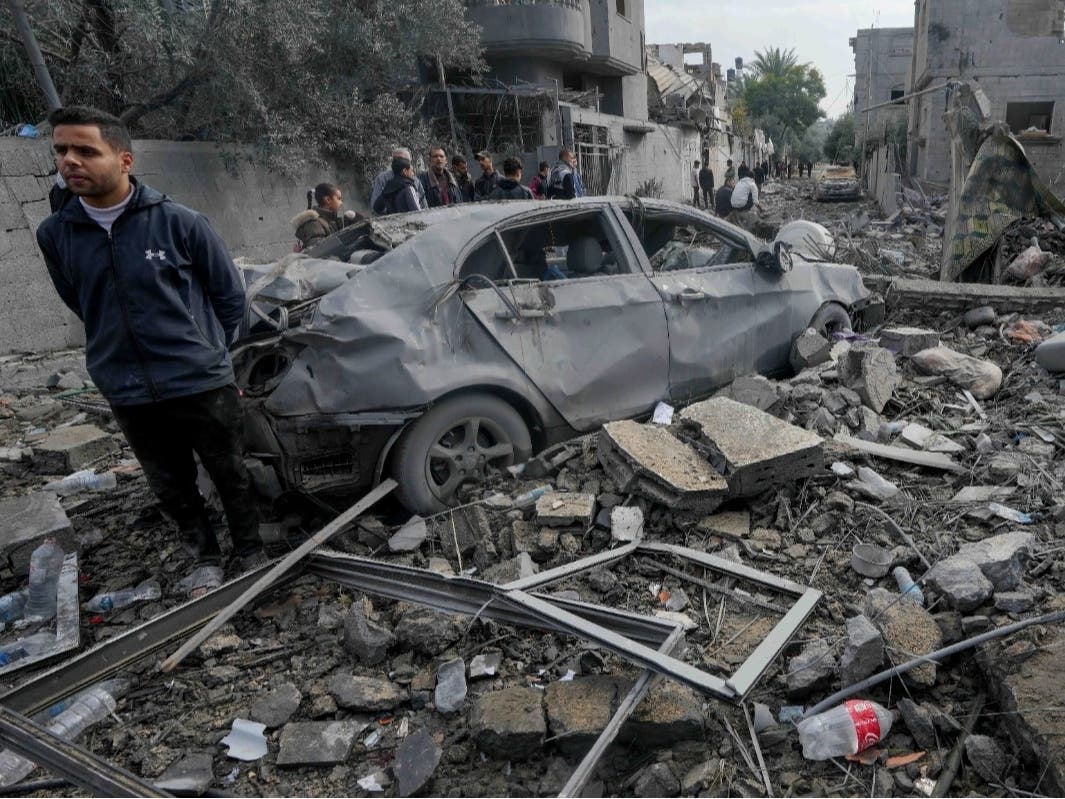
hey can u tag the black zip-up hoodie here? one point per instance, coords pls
(159, 295)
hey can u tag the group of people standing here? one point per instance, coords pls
(398, 189)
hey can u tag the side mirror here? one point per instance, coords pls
(775, 260)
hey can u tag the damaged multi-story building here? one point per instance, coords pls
(1013, 50)
(882, 59)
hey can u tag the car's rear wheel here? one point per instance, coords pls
(454, 443)
(832, 318)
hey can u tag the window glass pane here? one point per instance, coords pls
(673, 243)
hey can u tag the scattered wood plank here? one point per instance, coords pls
(931, 460)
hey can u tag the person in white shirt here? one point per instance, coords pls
(744, 199)
(695, 183)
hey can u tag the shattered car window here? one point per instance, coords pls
(570, 248)
(674, 243)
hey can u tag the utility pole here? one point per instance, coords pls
(29, 41)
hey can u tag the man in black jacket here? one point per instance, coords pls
(161, 300)
(510, 187)
(400, 194)
(438, 183)
(490, 177)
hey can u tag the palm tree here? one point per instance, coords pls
(774, 62)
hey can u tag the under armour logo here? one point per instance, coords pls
(160, 254)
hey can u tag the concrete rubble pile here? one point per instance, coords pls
(930, 443)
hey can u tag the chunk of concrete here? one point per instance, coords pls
(509, 724)
(370, 694)
(811, 670)
(417, 757)
(69, 449)
(486, 664)
(450, 693)
(961, 581)
(753, 390)
(919, 722)
(870, 371)
(317, 743)
(1001, 557)
(409, 537)
(28, 520)
(366, 640)
(809, 349)
(732, 524)
(650, 461)
(863, 653)
(517, 568)
(276, 707)
(190, 775)
(428, 631)
(669, 714)
(656, 780)
(1014, 601)
(758, 451)
(986, 757)
(626, 523)
(578, 710)
(909, 631)
(564, 509)
(908, 341)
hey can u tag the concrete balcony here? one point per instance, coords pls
(556, 30)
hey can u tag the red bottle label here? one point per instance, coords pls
(866, 722)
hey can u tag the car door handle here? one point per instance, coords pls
(689, 295)
(523, 313)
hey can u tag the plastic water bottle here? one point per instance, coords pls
(116, 600)
(846, 729)
(907, 587)
(26, 647)
(12, 606)
(528, 499)
(89, 707)
(45, 563)
(85, 480)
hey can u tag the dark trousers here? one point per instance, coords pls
(695, 196)
(164, 435)
(708, 198)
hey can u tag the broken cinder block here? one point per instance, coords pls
(758, 450)
(908, 341)
(563, 509)
(68, 449)
(650, 461)
(870, 371)
(809, 349)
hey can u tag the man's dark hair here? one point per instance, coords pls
(512, 166)
(320, 192)
(744, 172)
(458, 160)
(399, 164)
(544, 165)
(112, 129)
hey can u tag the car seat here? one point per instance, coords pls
(584, 257)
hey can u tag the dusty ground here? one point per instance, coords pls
(802, 531)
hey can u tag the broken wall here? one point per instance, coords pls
(883, 182)
(1013, 49)
(250, 208)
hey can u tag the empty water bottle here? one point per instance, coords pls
(26, 647)
(45, 563)
(528, 499)
(85, 480)
(12, 606)
(846, 729)
(89, 707)
(116, 600)
(907, 587)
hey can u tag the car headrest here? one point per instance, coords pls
(584, 256)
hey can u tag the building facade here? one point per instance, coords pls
(1014, 50)
(882, 58)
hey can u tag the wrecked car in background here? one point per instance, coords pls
(837, 183)
(434, 347)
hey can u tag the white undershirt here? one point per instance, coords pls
(105, 217)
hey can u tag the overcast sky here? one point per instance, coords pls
(817, 30)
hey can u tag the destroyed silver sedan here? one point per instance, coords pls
(435, 347)
(837, 183)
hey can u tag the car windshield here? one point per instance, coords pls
(673, 242)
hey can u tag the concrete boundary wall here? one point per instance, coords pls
(883, 182)
(248, 206)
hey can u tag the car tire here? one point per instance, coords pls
(832, 318)
(453, 443)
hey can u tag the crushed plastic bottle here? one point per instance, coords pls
(87, 708)
(13, 605)
(846, 729)
(85, 480)
(528, 499)
(45, 563)
(907, 587)
(26, 647)
(116, 600)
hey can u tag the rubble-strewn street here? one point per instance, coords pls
(927, 446)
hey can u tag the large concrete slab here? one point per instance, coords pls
(649, 460)
(27, 521)
(759, 450)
